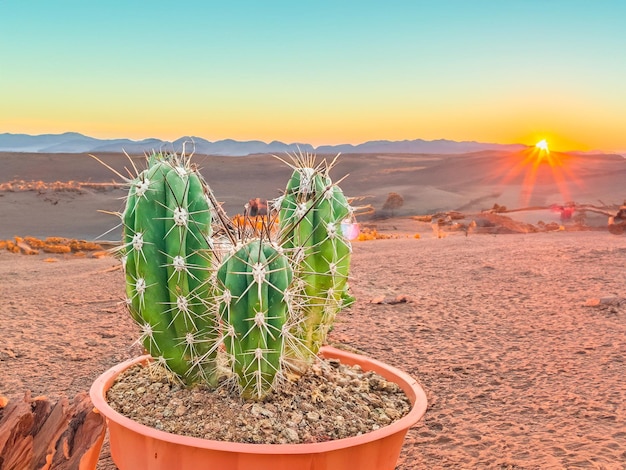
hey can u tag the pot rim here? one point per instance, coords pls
(411, 388)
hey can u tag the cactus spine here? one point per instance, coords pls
(258, 306)
(254, 311)
(167, 228)
(311, 213)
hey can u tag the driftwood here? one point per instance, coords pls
(36, 433)
(617, 222)
(494, 216)
(617, 226)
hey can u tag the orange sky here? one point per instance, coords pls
(323, 73)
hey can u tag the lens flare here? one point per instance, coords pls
(534, 170)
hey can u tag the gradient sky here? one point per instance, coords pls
(321, 72)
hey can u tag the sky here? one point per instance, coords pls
(318, 72)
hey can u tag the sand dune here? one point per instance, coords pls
(427, 183)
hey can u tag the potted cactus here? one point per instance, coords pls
(221, 304)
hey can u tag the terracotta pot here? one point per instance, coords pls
(138, 447)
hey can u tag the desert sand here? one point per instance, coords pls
(518, 340)
(427, 183)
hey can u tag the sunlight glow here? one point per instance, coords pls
(535, 169)
(543, 145)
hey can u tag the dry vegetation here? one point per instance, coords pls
(61, 186)
(394, 201)
(372, 233)
(57, 245)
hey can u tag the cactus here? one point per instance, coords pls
(167, 228)
(311, 213)
(254, 310)
(268, 304)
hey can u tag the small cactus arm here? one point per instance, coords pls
(167, 225)
(254, 281)
(311, 213)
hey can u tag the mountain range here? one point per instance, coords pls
(73, 142)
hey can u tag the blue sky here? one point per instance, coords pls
(319, 72)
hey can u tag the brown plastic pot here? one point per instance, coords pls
(138, 447)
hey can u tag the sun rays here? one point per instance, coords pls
(536, 169)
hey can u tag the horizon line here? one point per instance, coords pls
(314, 147)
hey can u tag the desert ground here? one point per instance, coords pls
(517, 339)
(428, 184)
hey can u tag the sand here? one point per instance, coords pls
(518, 340)
(426, 183)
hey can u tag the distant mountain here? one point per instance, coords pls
(231, 147)
(440, 146)
(41, 143)
(72, 142)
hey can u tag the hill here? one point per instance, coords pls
(427, 183)
(72, 142)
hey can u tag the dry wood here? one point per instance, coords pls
(36, 433)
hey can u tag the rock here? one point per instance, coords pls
(290, 417)
(296, 417)
(258, 410)
(607, 301)
(313, 416)
(291, 435)
(392, 413)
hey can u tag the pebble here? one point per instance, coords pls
(343, 381)
(291, 435)
(258, 410)
(148, 398)
(196, 397)
(383, 418)
(266, 424)
(306, 406)
(364, 411)
(347, 405)
(392, 413)
(212, 426)
(313, 416)
(297, 417)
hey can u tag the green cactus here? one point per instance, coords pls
(311, 213)
(254, 281)
(268, 305)
(167, 228)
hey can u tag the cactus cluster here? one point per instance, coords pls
(264, 304)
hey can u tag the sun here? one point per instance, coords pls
(543, 145)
